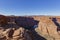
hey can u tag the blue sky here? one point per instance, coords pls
(30, 7)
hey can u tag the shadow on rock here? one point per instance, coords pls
(26, 22)
(56, 23)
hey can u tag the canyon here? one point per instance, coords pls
(29, 27)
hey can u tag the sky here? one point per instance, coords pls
(30, 7)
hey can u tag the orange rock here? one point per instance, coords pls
(47, 27)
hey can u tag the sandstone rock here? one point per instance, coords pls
(1, 29)
(3, 20)
(47, 27)
(6, 33)
(21, 34)
(18, 31)
(57, 38)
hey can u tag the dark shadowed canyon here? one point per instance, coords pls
(29, 28)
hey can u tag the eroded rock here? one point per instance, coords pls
(21, 34)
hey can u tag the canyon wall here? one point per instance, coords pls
(29, 28)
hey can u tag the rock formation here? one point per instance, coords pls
(48, 28)
(26, 22)
(3, 20)
(29, 28)
(12, 34)
(21, 34)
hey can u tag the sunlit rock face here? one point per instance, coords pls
(12, 34)
(48, 27)
(21, 34)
